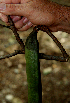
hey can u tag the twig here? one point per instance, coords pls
(12, 54)
(13, 28)
(1, 26)
(51, 57)
(65, 55)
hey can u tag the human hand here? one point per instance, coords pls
(33, 10)
(37, 12)
(18, 20)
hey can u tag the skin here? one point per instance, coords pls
(36, 12)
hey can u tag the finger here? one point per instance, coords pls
(14, 1)
(3, 18)
(16, 18)
(26, 27)
(15, 9)
(10, 1)
(19, 24)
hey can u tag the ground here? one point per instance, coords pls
(55, 75)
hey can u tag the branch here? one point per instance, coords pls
(12, 54)
(51, 57)
(1, 26)
(45, 29)
(13, 28)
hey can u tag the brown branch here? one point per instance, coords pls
(51, 57)
(1, 26)
(45, 29)
(13, 28)
(12, 54)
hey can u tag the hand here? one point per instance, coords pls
(35, 12)
(18, 20)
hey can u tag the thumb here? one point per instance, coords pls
(15, 9)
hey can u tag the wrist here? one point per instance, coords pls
(66, 13)
(62, 18)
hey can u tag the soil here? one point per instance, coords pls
(55, 75)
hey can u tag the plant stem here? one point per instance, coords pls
(33, 69)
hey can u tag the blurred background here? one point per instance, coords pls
(55, 75)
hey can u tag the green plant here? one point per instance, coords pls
(33, 68)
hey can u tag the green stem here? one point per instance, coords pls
(33, 68)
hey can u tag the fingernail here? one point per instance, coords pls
(2, 6)
(16, 18)
(29, 23)
(25, 20)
